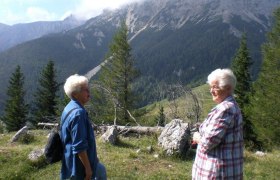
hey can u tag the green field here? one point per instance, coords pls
(122, 161)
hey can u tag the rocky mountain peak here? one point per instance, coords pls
(158, 14)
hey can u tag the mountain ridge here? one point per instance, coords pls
(11, 36)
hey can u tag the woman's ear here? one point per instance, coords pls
(228, 88)
(74, 95)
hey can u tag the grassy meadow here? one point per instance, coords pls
(129, 159)
(148, 113)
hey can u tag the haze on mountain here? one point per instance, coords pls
(172, 41)
(19, 33)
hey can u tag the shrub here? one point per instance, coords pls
(27, 138)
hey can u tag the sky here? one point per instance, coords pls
(25, 11)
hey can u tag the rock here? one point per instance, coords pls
(260, 153)
(36, 154)
(174, 137)
(110, 135)
(22, 132)
(156, 155)
(138, 151)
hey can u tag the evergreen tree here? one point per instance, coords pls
(61, 103)
(45, 104)
(265, 102)
(241, 68)
(15, 113)
(117, 75)
(161, 117)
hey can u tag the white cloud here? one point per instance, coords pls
(31, 14)
(91, 8)
(65, 15)
(39, 14)
(11, 18)
(24, 11)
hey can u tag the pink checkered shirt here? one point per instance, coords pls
(219, 154)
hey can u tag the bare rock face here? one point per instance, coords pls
(110, 135)
(22, 132)
(174, 137)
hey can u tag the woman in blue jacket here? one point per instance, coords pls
(80, 157)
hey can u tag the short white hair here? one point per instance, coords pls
(73, 84)
(224, 77)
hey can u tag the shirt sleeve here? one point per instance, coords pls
(79, 133)
(214, 133)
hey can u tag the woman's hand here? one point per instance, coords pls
(196, 137)
(84, 158)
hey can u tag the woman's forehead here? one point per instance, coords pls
(214, 82)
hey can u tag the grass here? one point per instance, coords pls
(129, 159)
(149, 112)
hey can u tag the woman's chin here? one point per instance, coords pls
(216, 99)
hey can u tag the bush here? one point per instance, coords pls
(27, 138)
(40, 163)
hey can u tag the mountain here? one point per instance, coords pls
(172, 41)
(19, 33)
(3, 27)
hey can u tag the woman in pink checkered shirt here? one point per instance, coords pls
(219, 153)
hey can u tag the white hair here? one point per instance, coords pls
(73, 84)
(224, 77)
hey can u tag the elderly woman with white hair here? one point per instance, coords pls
(219, 153)
(80, 157)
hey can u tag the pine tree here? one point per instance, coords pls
(117, 75)
(161, 117)
(241, 68)
(15, 113)
(45, 104)
(61, 103)
(265, 102)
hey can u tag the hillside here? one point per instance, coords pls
(172, 41)
(146, 116)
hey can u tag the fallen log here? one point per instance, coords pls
(20, 133)
(48, 124)
(134, 129)
(120, 129)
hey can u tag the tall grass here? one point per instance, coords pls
(129, 159)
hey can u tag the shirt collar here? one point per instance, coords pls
(76, 103)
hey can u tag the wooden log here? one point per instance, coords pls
(48, 124)
(135, 129)
(126, 129)
(20, 133)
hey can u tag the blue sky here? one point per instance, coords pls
(24, 11)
